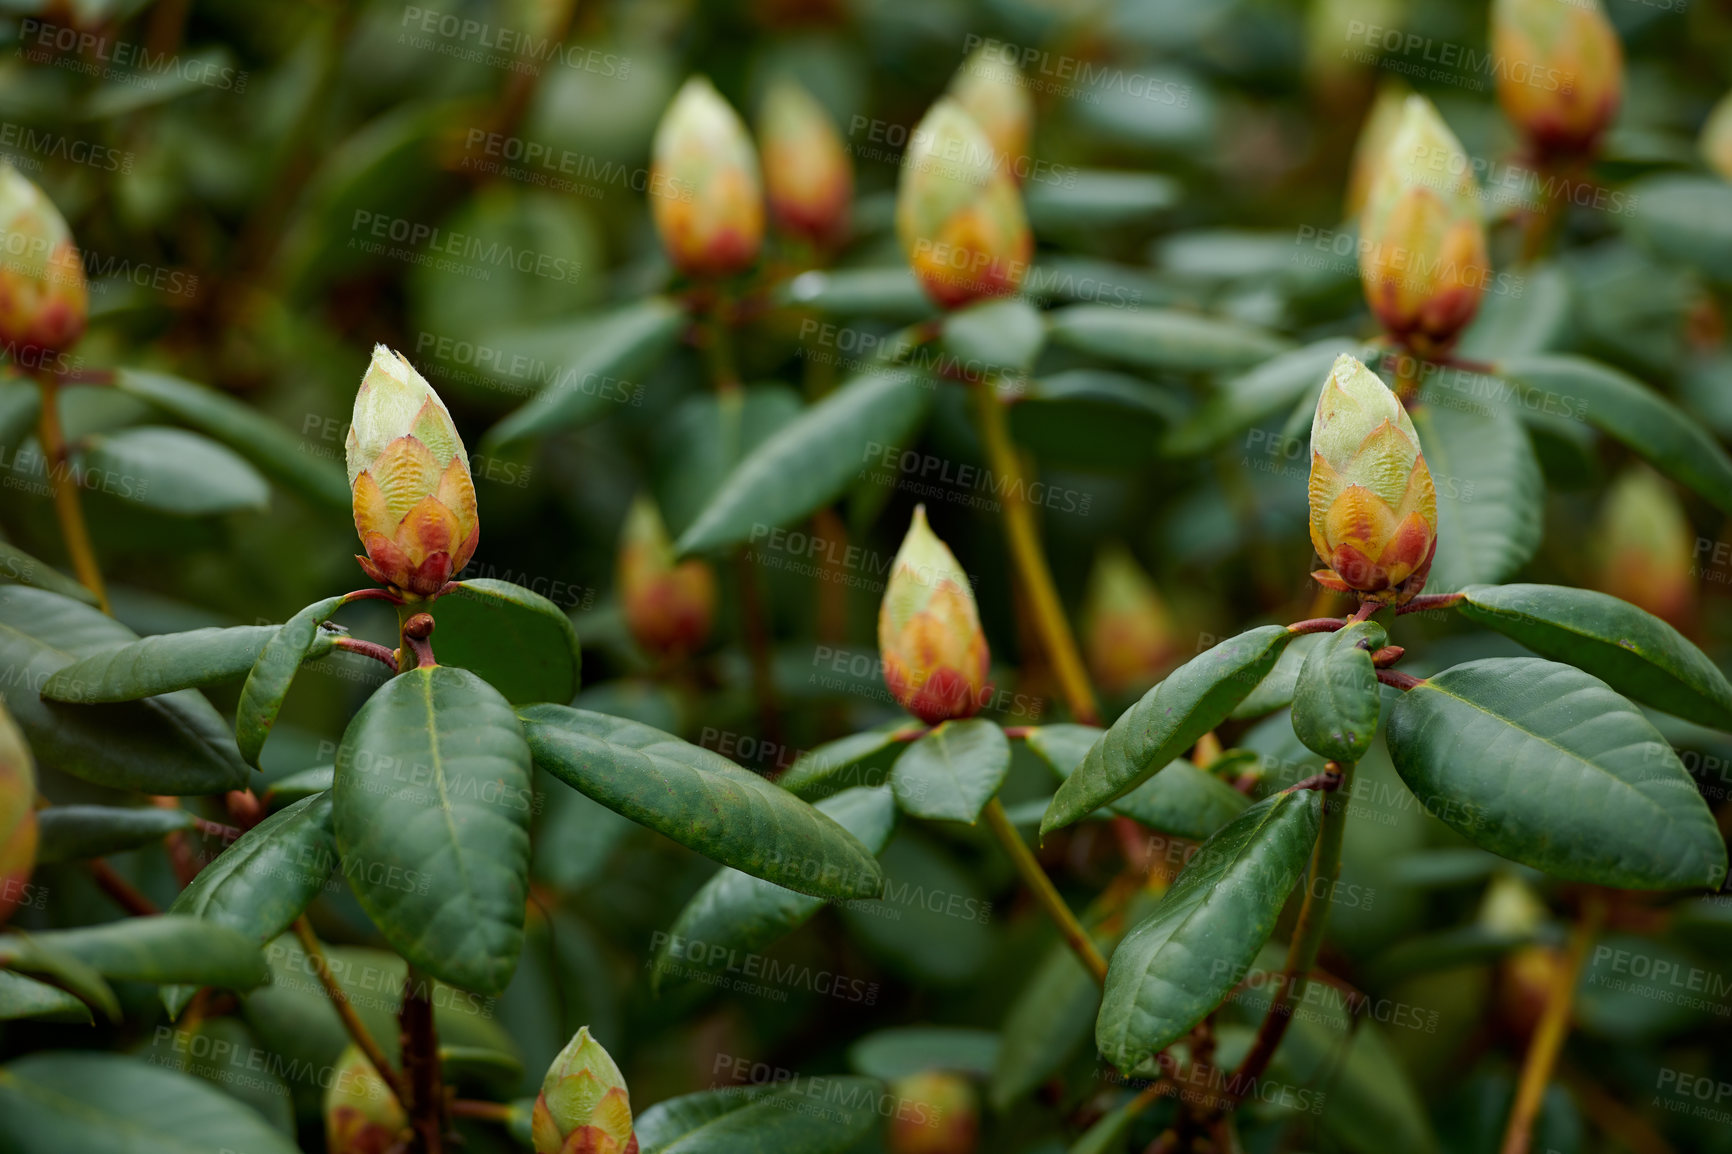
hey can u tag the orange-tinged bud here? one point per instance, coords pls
(1717, 137)
(806, 168)
(1560, 72)
(362, 1116)
(43, 299)
(929, 635)
(958, 213)
(1375, 136)
(409, 474)
(1646, 547)
(1127, 631)
(584, 1106)
(17, 816)
(1422, 256)
(710, 207)
(1373, 504)
(937, 1112)
(991, 90)
(669, 607)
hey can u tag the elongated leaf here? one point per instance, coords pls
(169, 661)
(1163, 338)
(900, 1051)
(889, 293)
(1490, 494)
(1271, 388)
(33, 955)
(952, 772)
(596, 359)
(1178, 965)
(1181, 799)
(1168, 720)
(268, 683)
(168, 948)
(172, 744)
(1097, 198)
(1628, 648)
(826, 447)
(511, 637)
(701, 800)
(295, 787)
(860, 759)
(1005, 333)
(1628, 411)
(1544, 764)
(744, 914)
(809, 1116)
(432, 801)
(1337, 701)
(19, 568)
(1687, 219)
(22, 997)
(64, 1101)
(173, 471)
(65, 832)
(276, 451)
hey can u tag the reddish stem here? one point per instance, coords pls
(369, 649)
(1316, 625)
(122, 891)
(1401, 681)
(1430, 601)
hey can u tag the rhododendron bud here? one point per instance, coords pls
(806, 168)
(1560, 72)
(929, 636)
(409, 474)
(991, 89)
(1127, 632)
(668, 607)
(1381, 124)
(43, 300)
(958, 213)
(937, 1112)
(17, 816)
(708, 203)
(1373, 505)
(584, 1107)
(1717, 137)
(362, 1116)
(1422, 254)
(1647, 547)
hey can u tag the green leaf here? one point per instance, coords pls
(173, 744)
(889, 293)
(167, 948)
(596, 357)
(952, 772)
(511, 637)
(433, 799)
(1544, 764)
(277, 452)
(808, 1116)
(1168, 720)
(299, 786)
(1181, 799)
(268, 683)
(1271, 388)
(900, 1051)
(1007, 333)
(701, 800)
(1337, 700)
(19, 568)
(1098, 199)
(66, 832)
(1628, 648)
(1490, 494)
(31, 954)
(1687, 219)
(64, 1101)
(826, 447)
(265, 880)
(1628, 411)
(860, 759)
(172, 471)
(745, 914)
(1162, 338)
(22, 997)
(1179, 964)
(167, 662)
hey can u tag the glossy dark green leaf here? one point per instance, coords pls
(1270, 389)
(1628, 648)
(20, 568)
(826, 447)
(298, 786)
(1162, 338)
(67, 832)
(22, 997)
(1490, 495)
(172, 471)
(64, 1101)
(810, 1116)
(1687, 219)
(1094, 420)
(168, 661)
(952, 772)
(33, 955)
(268, 682)
(1004, 334)
(701, 800)
(172, 744)
(1181, 799)
(900, 1051)
(163, 949)
(597, 359)
(1168, 720)
(698, 444)
(1337, 700)
(276, 451)
(433, 799)
(1544, 764)
(511, 637)
(860, 759)
(745, 914)
(1097, 199)
(889, 293)
(1627, 410)
(1180, 963)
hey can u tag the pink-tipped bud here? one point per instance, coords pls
(17, 816)
(362, 1116)
(937, 1112)
(710, 214)
(669, 606)
(1127, 632)
(1560, 72)
(43, 299)
(991, 89)
(584, 1106)
(807, 173)
(929, 636)
(1647, 547)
